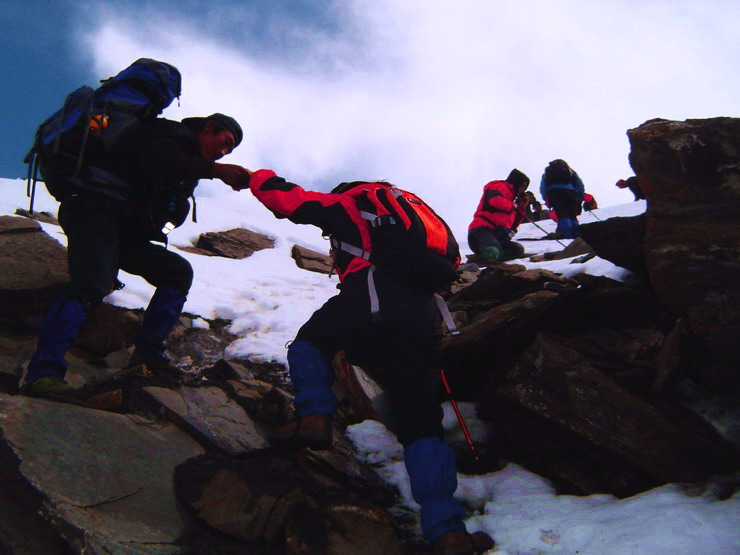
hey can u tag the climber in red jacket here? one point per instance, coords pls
(499, 212)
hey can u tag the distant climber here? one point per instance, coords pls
(562, 190)
(633, 185)
(534, 210)
(500, 211)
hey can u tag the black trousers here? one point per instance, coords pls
(565, 202)
(101, 240)
(401, 349)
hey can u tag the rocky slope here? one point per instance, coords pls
(589, 381)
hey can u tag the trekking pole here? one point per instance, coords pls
(458, 414)
(531, 221)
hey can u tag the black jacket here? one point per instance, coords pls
(151, 170)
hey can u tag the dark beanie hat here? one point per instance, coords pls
(231, 124)
(225, 121)
(518, 179)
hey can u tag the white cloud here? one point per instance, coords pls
(441, 97)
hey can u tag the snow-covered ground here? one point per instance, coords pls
(268, 297)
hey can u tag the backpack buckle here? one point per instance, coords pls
(381, 221)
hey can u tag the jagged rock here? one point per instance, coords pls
(499, 330)
(200, 345)
(366, 397)
(45, 217)
(234, 243)
(620, 241)
(603, 302)
(486, 345)
(22, 530)
(356, 529)
(14, 351)
(667, 360)
(264, 400)
(10, 225)
(118, 359)
(468, 274)
(107, 329)
(311, 260)
(491, 321)
(693, 171)
(212, 416)
(337, 469)
(556, 391)
(254, 390)
(577, 247)
(298, 502)
(234, 369)
(498, 285)
(103, 480)
(33, 272)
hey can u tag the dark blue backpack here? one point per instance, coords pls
(73, 140)
(558, 172)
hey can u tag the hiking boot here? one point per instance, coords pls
(462, 543)
(56, 389)
(490, 253)
(155, 363)
(512, 251)
(314, 431)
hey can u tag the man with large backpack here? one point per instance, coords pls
(499, 213)
(391, 252)
(562, 190)
(112, 206)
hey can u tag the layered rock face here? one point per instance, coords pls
(692, 239)
(34, 272)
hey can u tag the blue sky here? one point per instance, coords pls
(432, 95)
(44, 54)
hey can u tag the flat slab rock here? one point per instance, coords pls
(311, 260)
(235, 243)
(30, 259)
(213, 416)
(106, 478)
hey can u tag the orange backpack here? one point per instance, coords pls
(409, 239)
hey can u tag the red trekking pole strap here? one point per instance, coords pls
(457, 413)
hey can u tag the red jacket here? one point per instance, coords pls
(496, 207)
(339, 215)
(336, 214)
